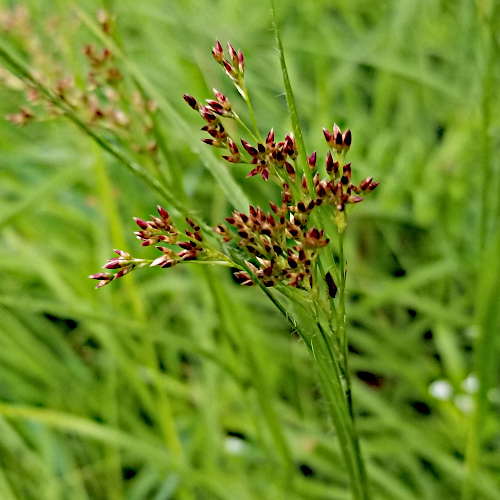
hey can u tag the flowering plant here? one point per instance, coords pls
(289, 248)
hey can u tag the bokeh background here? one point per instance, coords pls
(163, 385)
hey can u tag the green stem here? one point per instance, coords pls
(329, 372)
(487, 168)
(244, 126)
(246, 97)
(342, 322)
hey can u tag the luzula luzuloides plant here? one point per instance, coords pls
(289, 247)
(292, 250)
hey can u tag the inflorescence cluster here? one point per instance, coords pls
(281, 245)
(100, 95)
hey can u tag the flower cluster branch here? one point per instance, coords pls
(281, 245)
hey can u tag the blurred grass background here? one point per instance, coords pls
(165, 384)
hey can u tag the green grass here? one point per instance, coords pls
(181, 384)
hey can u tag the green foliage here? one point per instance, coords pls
(181, 384)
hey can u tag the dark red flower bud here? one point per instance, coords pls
(347, 171)
(232, 54)
(329, 163)
(249, 148)
(312, 161)
(217, 52)
(304, 182)
(328, 136)
(354, 199)
(207, 115)
(231, 159)
(270, 137)
(141, 223)
(338, 139)
(347, 139)
(163, 213)
(337, 135)
(232, 147)
(332, 287)
(241, 61)
(215, 106)
(229, 69)
(187, 245)
(289, 168)
(364, 184)
(192, 102)
(102, 276)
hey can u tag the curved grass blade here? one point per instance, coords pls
(292, 108)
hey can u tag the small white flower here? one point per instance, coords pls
(465, 403)
(234, 445)
(470, 384)
(441, 389)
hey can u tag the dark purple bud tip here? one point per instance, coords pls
(217, 51)
(232, 53)
(312, 160)
(250, 149)
(191, 101)
(215, 106)
(365, 183)
(329, 163)
(253, 172)
(101, 276)
(102, 283)
(327, 134)
(347, 138)
(141, 223)
(373, 186)
(289, 168)
(232, 146)
(332, 287)
(114, 264)
(355, 199)
(241, 61)
(163, 213)
(207, 115)
(270, 137)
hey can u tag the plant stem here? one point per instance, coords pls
(246, 97)
(244, 126)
